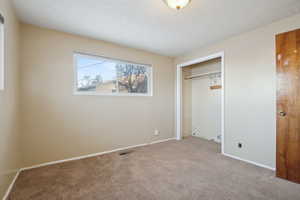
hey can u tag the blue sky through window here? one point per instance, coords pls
(93, 67)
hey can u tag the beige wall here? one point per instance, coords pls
(9, 143)
(250, 90)
(57, 124)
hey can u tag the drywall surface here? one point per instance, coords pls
(9, 100)
(56, 124)
(250, 90)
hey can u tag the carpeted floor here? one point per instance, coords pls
(186, 170)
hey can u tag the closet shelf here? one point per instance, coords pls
(203, 74)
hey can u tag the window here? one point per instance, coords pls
(104, 76)
(2, 53)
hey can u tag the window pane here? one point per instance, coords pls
(100, 75)
(96, 75)
(132, 78)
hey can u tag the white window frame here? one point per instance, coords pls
(76, 92)
(2, 51)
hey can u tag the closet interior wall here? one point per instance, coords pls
(201, 105)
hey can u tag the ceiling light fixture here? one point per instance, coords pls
(177, 4)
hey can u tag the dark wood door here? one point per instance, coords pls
(288, 106)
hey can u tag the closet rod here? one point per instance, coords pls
(204, 74)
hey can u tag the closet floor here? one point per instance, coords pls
(178, 170)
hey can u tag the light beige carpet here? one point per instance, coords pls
(185, 170)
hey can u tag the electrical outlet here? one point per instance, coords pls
(156, 132)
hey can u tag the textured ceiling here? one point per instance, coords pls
(150, 25)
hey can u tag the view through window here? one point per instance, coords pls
(99, 75)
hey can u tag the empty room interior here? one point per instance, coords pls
(150, 100)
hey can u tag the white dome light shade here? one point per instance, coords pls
(177, 4)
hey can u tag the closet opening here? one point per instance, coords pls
(200, 100)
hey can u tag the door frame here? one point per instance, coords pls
(179, 94)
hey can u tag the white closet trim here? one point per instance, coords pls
(179, 77)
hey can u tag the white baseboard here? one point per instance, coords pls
(160, 141)
(249, 161)
(94, 154)
(11, 185)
